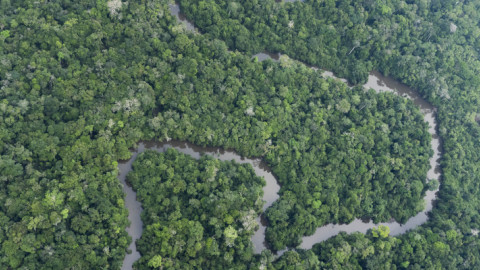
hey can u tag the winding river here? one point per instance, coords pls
(134, 207)
(376, 81)
(380, 83)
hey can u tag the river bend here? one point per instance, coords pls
(376, 81)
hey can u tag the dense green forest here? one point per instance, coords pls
(83, 81)
(198, 214)
(430, 45)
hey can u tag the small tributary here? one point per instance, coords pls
(376, 81)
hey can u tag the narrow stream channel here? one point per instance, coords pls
(376, 81)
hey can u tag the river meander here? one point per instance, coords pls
(375, 81)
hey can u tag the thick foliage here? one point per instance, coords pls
(80, 84)
(198, 214)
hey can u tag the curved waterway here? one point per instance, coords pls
(376, 81)
(135, 229)
(380, 83)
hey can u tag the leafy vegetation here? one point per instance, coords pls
(82, 81)
(198, 214)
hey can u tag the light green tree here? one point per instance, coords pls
(155, 262)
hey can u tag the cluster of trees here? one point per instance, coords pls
(423, 248)
(348, 156)
(198, 214)
(61, 205)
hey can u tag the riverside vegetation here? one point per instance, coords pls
(82, 81)
(198, 213)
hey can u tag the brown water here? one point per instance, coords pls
(134, 207)
(375, 81)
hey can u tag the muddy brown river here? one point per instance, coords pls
(376, 81)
